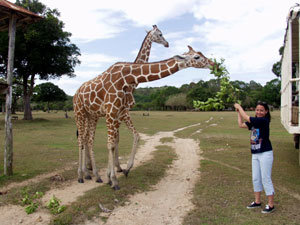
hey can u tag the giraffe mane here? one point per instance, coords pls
(131, 63)
(148, 33)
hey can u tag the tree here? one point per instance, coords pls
(43, 50)
(276, 69)
(203, 90)
(159, 98)
(271, 92)
(177, 101)
(48, 92)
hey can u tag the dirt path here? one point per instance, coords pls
(171, 199)
(166, 205)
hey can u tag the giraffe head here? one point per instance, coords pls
(193, 59)
(156, 36)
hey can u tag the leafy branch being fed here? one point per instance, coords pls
(227, 94)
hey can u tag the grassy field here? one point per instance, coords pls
(221, 195)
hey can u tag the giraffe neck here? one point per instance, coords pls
(144, 53)
(146, 72)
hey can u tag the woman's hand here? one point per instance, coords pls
(237, 106)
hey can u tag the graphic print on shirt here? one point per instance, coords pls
(255, 140)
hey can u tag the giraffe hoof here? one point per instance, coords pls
(109, 183)
(80, 180)
(99, 180)
(119, 170)
(116, 188)
(126, 172)
(88, 177)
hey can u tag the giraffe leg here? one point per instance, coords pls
(88, 160)
(81, 145)
(112, 178)
(92, 130)
(86, 172)
(117, 163)
(136, 139)
(80, 171)
(113, 129)
(85, 152)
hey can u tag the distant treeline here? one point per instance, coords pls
(173, 98)
(166, 97)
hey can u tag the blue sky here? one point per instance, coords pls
(246, 33)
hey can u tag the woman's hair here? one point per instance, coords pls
(265, 105)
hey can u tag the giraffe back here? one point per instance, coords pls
(106, 91)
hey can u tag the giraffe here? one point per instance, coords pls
(105, 96)
(154, 35)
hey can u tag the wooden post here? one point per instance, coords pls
(8, 152)
(297, 85)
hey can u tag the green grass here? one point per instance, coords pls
(221, 194)
(49, 142)
(225, 187)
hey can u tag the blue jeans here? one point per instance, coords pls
(262, 172)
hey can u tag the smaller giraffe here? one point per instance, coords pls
(104, 96)
(154, 35)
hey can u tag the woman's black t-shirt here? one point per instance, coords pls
(260, 132)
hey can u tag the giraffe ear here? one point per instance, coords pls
(190, 48)
(154, 26)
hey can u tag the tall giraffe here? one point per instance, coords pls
(105, 96)
(154, 35)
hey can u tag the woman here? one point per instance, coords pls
(262, 153)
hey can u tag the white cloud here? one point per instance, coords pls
(96, 60)
(95, 19)
(247, 33)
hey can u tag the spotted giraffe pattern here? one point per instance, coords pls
(105, 96)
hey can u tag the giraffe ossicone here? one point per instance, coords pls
(105, 96)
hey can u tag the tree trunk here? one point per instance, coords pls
(27, 108)
(27, 92)
(8, 152)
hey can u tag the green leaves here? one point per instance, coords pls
(226, 96)
(218, 69)
(32, 202)
(31, 208)
(54, 206)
